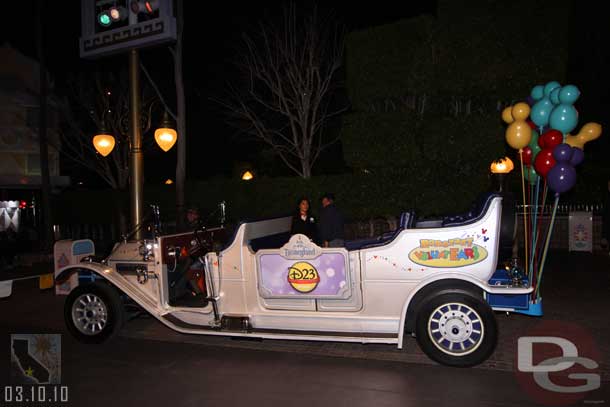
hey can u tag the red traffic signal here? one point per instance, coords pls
(148, 7)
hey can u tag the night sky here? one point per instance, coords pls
(212, 33)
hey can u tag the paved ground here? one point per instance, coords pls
(576, 290)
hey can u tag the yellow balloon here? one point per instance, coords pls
(521, 111)
(507, 115)
(518, 134)
(588, 132)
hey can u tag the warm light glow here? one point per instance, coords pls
(103, 143)
(502, 166)
(166, 138)
(169, 181)
(247, 176)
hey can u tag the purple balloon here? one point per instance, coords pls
(562, 152)
(578, 156)
(530, 101)
(561, 178)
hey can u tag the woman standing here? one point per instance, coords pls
(302, 221)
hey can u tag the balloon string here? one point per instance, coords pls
(541, 222)
(534, 223)
(540, 233)
(546, 246)
(525, 241)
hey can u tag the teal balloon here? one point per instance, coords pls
(537, 92)
(541, 112)
(530, 174)
(569, 94)
(548, 88)
(564, 118)
(555, 96)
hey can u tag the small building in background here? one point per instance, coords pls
(20, 174)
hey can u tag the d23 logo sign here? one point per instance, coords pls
(303, 277)
(557, 363)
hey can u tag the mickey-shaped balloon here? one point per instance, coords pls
(588, 132)
(518, 133)
(562, 177)
(541, 111)
(564, 116)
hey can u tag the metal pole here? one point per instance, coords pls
(135, 151)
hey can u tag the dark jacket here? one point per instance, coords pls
(306, 227)
(331, 224)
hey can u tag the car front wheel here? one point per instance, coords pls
(93, 312)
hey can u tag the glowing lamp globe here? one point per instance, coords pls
(502, 166)
(165, 136)
(247, 176)
(103, 143)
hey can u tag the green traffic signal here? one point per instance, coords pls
(104, 19)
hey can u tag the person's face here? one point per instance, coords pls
(304, 206)
(192, 215)
(325, 202)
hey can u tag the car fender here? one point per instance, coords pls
(444, 281)
(116, 279)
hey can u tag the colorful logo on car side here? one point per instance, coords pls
(447, 253)
(303, 277)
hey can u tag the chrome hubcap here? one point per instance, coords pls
(89, 314)
(456, 329)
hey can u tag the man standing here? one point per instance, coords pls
(331, 223)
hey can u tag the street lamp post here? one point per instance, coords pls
(135, 150)
(165, 136)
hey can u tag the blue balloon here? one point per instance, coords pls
(564, 118)
(548, 88)
(541, 112)
(561, 178)
(569, 94)
(555, 96)
(578, 156)
(537, 92)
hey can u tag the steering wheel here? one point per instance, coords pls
(201, 243)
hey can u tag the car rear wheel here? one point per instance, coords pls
(93, 312)
(456, 329)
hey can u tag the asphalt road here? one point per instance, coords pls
(149, 365)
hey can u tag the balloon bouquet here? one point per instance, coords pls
(541, 132)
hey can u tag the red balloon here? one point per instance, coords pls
(527, 155)
(550, 139)
(532, 125)
(544, 162)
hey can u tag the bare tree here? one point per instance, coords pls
(290, 72)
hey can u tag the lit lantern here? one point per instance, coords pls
(166, 136)
(502, 166)
(169, 181)
(247, 176)
(103, 143)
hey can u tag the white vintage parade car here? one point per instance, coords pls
(438, 280)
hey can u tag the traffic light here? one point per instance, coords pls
(147, 7)
(113, 26)
(113, 14)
